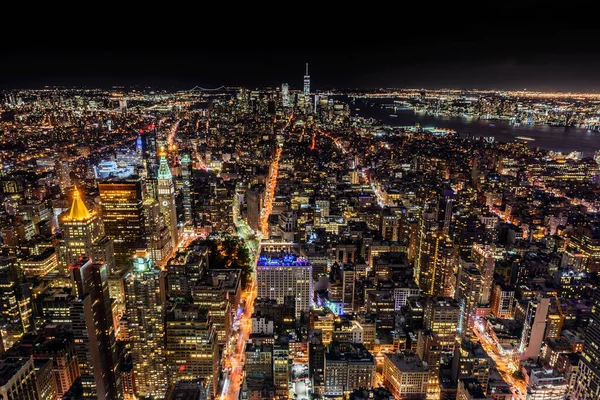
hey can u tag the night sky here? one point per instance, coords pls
(504, 45)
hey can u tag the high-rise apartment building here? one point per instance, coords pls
(348, 366)
(14, 318)
(502, 301)
(65, 369)
(468, 293)
(17, 379)
(192, 350)
(534, 328)
(483, 257)
(186, 177)
(471, 361)
(166, 199)
(438, 258)
(145, 319)
(405, 375)
(587, 384)
(281, 370)
(93, 331)
(280, 275)
(123, 216)
(441, 317)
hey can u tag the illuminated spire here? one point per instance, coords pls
(78, 209)
(163, 169)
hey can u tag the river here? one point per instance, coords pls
(546, 137)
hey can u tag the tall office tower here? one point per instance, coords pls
(447, 207)
(192, 350)
(254, 200)
(348, 287)
(93, 331)
(534, 328)
(583, 250)
(441, 317)
(438, 258)
(166, 199)
(281, 370)
(157, 233)
(307, 91)
(502, 301)
(13, 304)
(348, 366)
(468, 293)
(82, 230)
(214, 299)
(285, 95)
(279, 276)
(426, 226)
(186, 177)
(123, 217)
(61, 352)
(587, 384)
(62, 168)
(145, 319)
(485, 263)
(17, 379)
(405, 375)
(389, 225)
(471, 361)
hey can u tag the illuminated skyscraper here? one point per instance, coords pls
(93, 331)
(186, 176)
(534, 328)
(62, 169)
(83, 235)
(285, 95)
(123, 217)
(157, 233)
(279, 276)
(307, 90)
(13, 318)
(438, 258)
(587, 386)
(145, 318)
(485, 262)
(468, 292)
(166, 198)
(192, 350)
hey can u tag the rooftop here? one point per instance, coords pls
(9, 367)
(281, 260)
(407, 362)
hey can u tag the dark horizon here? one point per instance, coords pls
(504, 50)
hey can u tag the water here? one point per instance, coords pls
(546, 137)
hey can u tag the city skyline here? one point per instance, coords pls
(293, 243)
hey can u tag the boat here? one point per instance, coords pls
(525, 138)
(393, 116)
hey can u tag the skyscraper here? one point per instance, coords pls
(587, 386)
(485, 262)
(93, 331)
(12, 319)
(192, 350)
(468, 292)
(307, 90)
(145, 318)
(83, 235)
(123, 217)
(166, 198)
(280, 275)
(186, 176)
(285, 95)
(534, 328)
(62, 169)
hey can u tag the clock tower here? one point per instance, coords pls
(166, 198)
